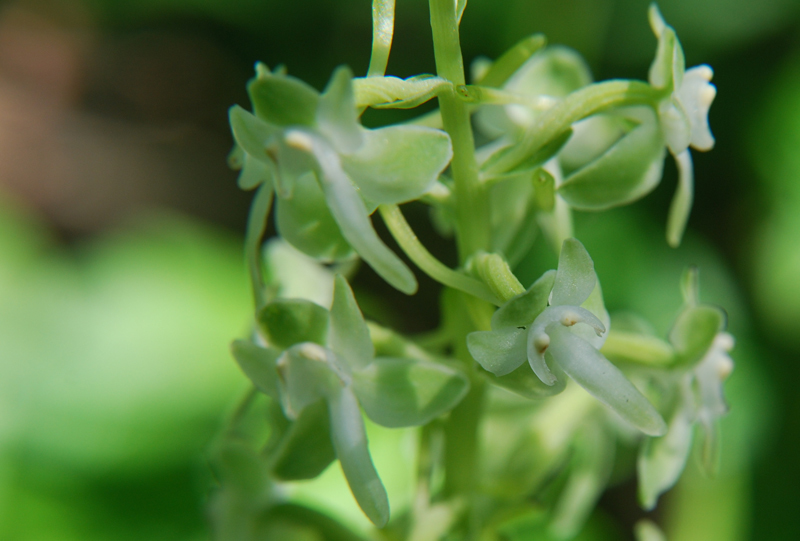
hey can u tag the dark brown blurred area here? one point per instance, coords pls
(95, 126)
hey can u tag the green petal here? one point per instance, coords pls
(405, 392)
(628, 170)
(525, 383)
(511, 60)
(286, 322)
(669, 64)
(283, 100)
(349, 336)
(305, 222)
(661, 460)
(682, 201)
(501, 351)
(305, 449)
(251, 133)
(694, 331)
(254, 172)
(307, 373)
(575, 277)
(398, 163)
(521, 310)
(350, 442)
(258, 364)
(603, 380)
(337, 117)
(349, 211)
(647, 530)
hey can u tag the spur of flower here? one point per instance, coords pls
(328, 172)
(557, 326)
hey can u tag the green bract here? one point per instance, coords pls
(329, 172)
(329, 362)
(564, 331)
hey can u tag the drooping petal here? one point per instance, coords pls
(350, 441)
(575, 276)
(337, 116)
(405, 392)
(348, 336)
(350, 213)
(520, 311)
(682, 201)
(501, 351)
(603, 380)
(398, 163)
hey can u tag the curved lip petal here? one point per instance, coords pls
(696, 95)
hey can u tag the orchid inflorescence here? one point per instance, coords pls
(552, 141)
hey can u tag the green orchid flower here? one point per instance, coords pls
(330, 173)
(703, 364)
(683, 115)
(559, 324)
(317, 360)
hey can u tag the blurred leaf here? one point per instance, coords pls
(305, 449)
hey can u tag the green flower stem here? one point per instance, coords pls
(472, 210)
(382, 33)
(576, 106)
(408, 241)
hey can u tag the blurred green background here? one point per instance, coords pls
(122, 280)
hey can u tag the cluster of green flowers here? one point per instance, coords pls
(555, 141)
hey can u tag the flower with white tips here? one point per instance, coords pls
(682, 114)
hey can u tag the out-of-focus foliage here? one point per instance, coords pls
(114, 375)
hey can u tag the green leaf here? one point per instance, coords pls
(603, 380)
(398, 163)
(305, 222)
(258, 364)
(661, 460)
(628, 170)
(283, 100)
(337, 117)
(694, 332)
(305, 449)
(499, 352)
(575, 277)
(350, 442)
(521, 310)
(349, 336)
(405, 392)
(287, 322)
